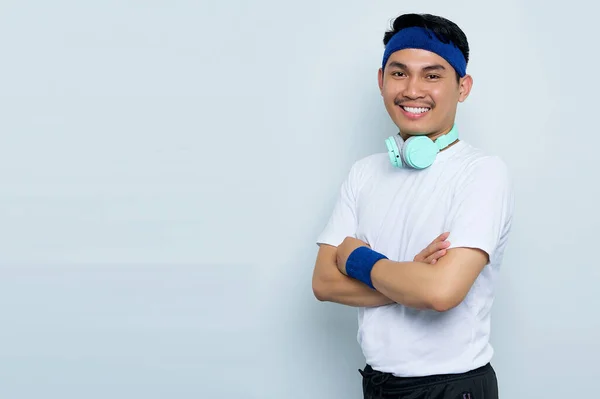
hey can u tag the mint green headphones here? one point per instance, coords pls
(418, 152)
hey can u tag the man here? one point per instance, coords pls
(424, 320)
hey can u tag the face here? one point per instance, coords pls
(421, 92)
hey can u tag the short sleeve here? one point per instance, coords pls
(343, 222)
(481, 211)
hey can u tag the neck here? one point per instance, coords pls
(432, 136)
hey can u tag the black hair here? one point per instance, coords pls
(445, 30)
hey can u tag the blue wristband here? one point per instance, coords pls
(361, 262)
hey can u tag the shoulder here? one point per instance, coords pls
(368, 166)
(480, 164)
(486, 178)
(375, 160)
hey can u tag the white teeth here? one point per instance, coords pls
(416, 110)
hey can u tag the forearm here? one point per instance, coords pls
(413, 284)
(344, 290)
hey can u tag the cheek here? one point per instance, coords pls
(391, 87)
(444, 97)
(389, 94)
(437, 95)
(388, 100)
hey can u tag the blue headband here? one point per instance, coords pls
(421, 38)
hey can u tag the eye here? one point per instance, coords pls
(398, 74)
(433, 77)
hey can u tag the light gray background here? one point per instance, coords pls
(165, 168)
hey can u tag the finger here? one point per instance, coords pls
(442, 245)
(430, 252)
(435, 256)
(434, 247)
(431, 261)
(421, 256)
(434, 244)
(437, 246)
(442, 237)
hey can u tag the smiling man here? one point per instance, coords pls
(424, 327)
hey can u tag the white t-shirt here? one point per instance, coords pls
(398, 212)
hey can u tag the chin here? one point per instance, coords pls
(411, 133)
(411, 129)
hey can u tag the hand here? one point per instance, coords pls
(345, 249)
(435, 250)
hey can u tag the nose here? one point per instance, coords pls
(413, 88)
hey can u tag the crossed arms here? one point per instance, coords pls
(479, 217)
(436, 279)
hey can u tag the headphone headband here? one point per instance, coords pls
(447, 139)
(418, 152)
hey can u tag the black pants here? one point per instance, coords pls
(480, 383)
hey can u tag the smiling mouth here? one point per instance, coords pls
(416, 110)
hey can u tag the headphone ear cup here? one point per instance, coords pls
(394, 147)
(419, 152)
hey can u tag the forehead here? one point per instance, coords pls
(418, 58)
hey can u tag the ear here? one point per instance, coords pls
(464, 87)
(380, 80)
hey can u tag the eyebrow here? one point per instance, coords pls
(435, 67)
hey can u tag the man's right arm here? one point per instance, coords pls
(330, 285)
